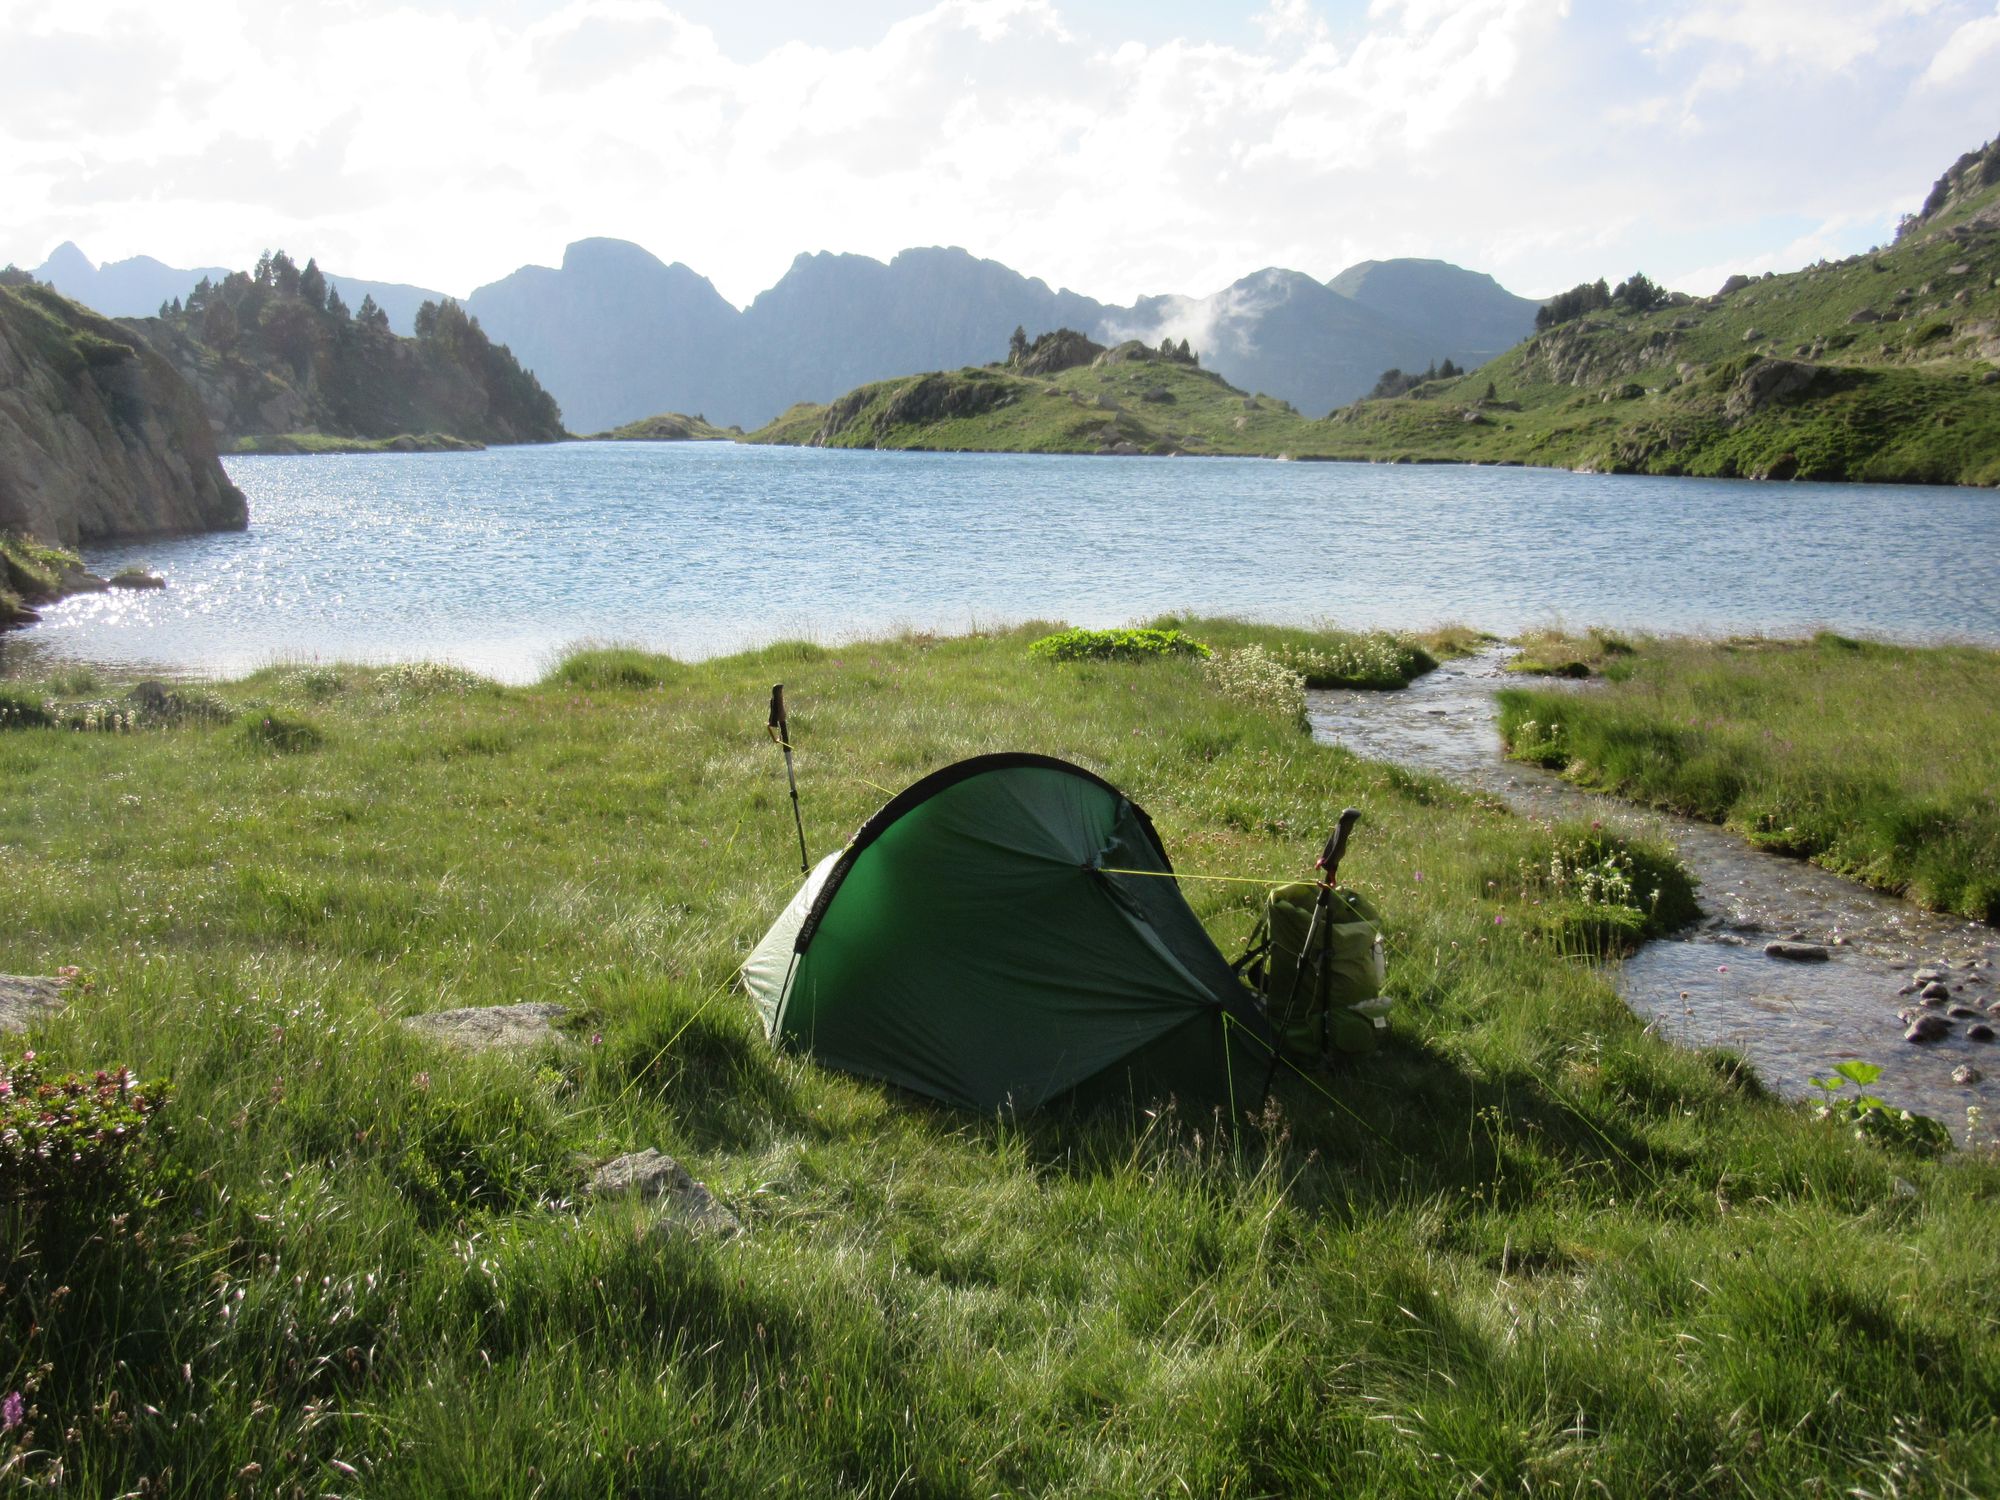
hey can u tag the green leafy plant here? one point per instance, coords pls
(1874, 1119)
(68, 1137)
(1114, 645)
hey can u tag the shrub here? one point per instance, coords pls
(415, 681)
(1380, 660)
(66, 1138)
(601, 667)
(1114, 645)
(1259, 679)
(1595, 893)
(280, 733)
(19, 711)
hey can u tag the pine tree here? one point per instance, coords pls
(312, 284)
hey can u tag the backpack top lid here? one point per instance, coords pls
(977, 942)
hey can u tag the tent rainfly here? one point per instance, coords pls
(978, 942)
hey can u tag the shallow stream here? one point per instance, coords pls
(1713, 985)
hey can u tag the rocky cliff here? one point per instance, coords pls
(99, 437)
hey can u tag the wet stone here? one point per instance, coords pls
(1928, 975)
(1965, 1013)
(1927, 1029)
(1797, 952)
(1965, 1075)
(1980, 1033)
(1934, 990)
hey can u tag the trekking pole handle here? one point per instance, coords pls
(1336, 846)
(780, 730)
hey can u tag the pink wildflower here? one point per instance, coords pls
(13, 1411)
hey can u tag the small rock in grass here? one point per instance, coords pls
(656, 1179)
(1980, 1033)
(1798, 952)
(489, 1028)
(28, 997)
(1965, 1075)
(1927, 1029)
(1935, 990)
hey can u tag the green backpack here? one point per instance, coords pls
(1321, 981)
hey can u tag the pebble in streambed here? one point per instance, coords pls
(1792, 967)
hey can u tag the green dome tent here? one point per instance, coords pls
(976, 943)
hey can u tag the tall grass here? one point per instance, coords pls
(1878, 761)
(1527, 1247)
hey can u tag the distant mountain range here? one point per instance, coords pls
(616, 334)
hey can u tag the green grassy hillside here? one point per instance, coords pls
(1884, 366)
(669, 427)
(1130, 400)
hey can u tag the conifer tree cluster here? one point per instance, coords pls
(360, 377)
(1395, 382)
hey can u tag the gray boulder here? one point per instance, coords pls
(491, 1028)
(1769, 381)
(26, 998)
(665, 1186)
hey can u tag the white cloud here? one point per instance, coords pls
(1966, 49)
(1819, 34)
(448, 145)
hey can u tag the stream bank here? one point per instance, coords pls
(1713, 985)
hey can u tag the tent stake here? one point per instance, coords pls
(781, 731)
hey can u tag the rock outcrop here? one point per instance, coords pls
(1058, 350)
(99, 437)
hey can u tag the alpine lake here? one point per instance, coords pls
(499, 560)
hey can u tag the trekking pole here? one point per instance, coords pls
(1328, 864)
(781, 731)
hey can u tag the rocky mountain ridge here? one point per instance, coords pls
(618, 334)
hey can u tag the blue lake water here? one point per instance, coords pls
(499, 560)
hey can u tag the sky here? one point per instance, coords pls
(1116, 147)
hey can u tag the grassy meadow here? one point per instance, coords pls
(1877, 761)
(1527, 1248)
